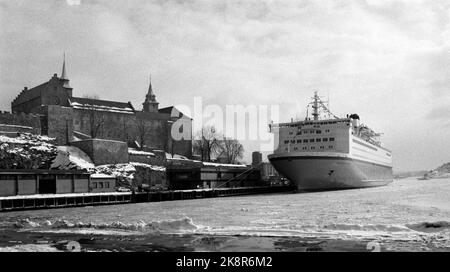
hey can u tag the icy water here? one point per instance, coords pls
(407, 215)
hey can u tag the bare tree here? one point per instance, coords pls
(206, 143)
(232, 150)
(143, 129)
(96, 118)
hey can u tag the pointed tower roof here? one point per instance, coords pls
(64, 74)
(150, 104)
(150, 88)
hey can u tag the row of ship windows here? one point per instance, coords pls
(312, 131)
(317, 140)
(311, 148)
(316, 124)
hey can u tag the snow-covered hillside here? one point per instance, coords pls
(27, 151)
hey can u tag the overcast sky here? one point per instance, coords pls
(388, 61)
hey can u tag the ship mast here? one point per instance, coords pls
(316, 106)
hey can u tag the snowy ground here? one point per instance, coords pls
(410, 214)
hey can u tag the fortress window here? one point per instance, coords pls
(293, 141)
(318, 140)
(286, 142)
(305, 140)
(299, 141)
(312, 148)
(330, 147)
(311, 131)
(331, 139)
(318, 131)
(325, 139)
(305, 148)
(322, 147)
(311, 140)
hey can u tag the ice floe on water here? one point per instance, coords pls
(180, 226)
(186, 225)
(29, 248)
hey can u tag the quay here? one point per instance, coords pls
(47, 201)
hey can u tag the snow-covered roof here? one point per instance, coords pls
(175, 156)
(15, 126)
(133, 151)
(70, 157)
(100, 176)
(223, 164)
(101, 105)
(125, 170)
(153, 167)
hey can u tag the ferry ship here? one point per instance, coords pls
(330, 153)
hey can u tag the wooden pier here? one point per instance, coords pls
(14, 203)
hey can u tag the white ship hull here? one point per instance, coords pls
(315, 171)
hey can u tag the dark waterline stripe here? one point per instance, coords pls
(326, 158)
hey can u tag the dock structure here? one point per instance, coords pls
(46, 201)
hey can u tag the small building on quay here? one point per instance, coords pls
(16, 182)
(189, 174)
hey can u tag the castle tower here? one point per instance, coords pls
(150, 104)
(64, 77)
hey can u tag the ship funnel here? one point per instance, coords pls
(355, 119)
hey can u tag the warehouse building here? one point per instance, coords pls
(30, 182)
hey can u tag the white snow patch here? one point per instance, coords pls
(77, 105)
(133, 151)
(70, 157)
(153, 167)
(175, 156)
(15, 126)
(223, 164)
(99, 176)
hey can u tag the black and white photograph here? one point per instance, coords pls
(249, 127)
